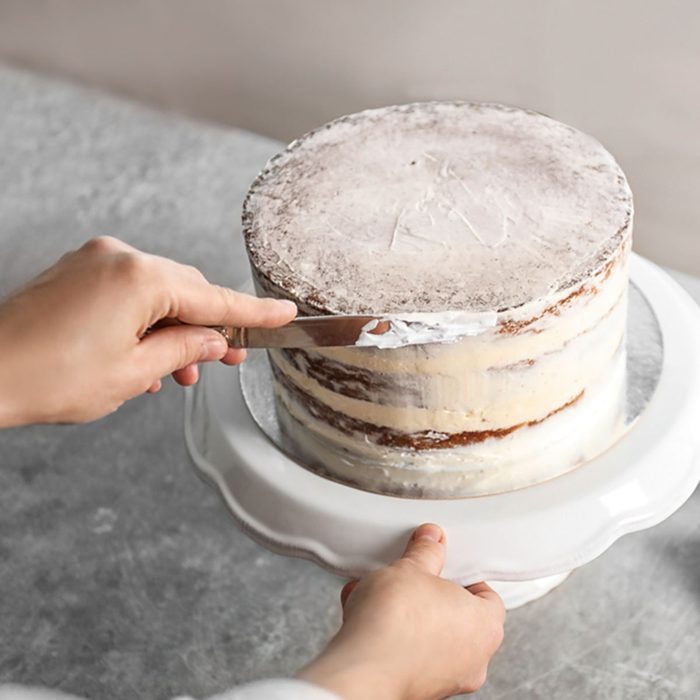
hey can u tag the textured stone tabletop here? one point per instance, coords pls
(121, 573)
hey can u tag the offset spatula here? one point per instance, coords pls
(307, 332)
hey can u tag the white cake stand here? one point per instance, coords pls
(524, 542)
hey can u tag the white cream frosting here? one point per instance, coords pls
(424, 328)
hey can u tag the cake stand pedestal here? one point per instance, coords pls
(524, 542)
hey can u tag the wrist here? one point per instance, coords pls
(13, 411)
(354, 674)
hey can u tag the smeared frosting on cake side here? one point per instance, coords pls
(423, 328)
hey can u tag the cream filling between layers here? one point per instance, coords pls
(470, 388)
(477, 400)
(528, 455)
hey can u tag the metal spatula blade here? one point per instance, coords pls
(306, 332)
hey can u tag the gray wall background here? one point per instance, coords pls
(626, 71)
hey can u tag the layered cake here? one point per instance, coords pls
(516, 224)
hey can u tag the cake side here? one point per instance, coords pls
(442, 395)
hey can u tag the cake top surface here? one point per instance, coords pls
(436, 206)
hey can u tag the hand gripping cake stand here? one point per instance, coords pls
(524, 542)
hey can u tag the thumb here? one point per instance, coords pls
(174, 347)
(426, 548)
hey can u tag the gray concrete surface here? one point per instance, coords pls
(121, 574)
(622, 71)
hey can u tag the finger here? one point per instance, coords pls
(480, 589)
(187, 376)
(485, 592)
(227, 307)
(173, 348)
(194, 300)
(155, 387)
(234, 356)
(426, 548)
(190, 375)
(345, 592)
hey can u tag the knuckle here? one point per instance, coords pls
(405, 565)
(133, 268)
(137, 379)
(190, 350)
(142, 385)
(475, 681)
(480, 679)
(195, 272)
(228, 300)
(102, 244)
(226, 294)
(421, 553)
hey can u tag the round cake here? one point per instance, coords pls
(521, 222)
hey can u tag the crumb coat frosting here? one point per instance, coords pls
(436, 206)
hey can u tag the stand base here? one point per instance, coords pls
(524, 541)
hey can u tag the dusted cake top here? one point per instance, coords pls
(436, 206)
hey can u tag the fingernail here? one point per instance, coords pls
(430, 532)
(215, 347)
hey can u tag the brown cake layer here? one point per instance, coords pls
(354, 382)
